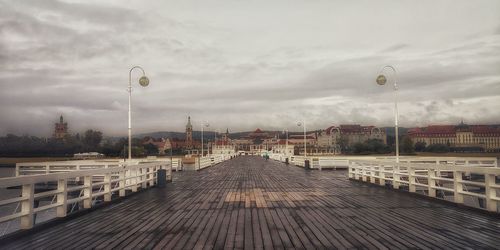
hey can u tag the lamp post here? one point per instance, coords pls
(285, 131)
(305, 142)
(382, 80)
(203, 124)
(214, 146)
(217, 131)
(143, 81)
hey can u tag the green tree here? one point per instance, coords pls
(91, 139)
(372, 146)
(420, 146)
(151, 149)
(343, 144)
(407, 145)
(438, 148)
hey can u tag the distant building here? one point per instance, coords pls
(460, 138)
(337, 137)
(225, 146)
(282, 148)
(60, 129)
(189, 135)
(185, 145)
(88, 155)
(161, 144)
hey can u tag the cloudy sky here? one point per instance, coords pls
(246, 64)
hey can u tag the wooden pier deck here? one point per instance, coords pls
(251, 203)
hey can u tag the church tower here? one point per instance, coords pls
(189, 133)
(225, 137)
(60, 129)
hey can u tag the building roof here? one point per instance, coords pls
(451, 130)
(301, 137)
(258, 134)
(350, 129)
(283, 142)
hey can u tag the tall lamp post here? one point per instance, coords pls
(285, 131)
(382, 80)
(305, 141)
(143, 81)
(217, 131)
(203, 124)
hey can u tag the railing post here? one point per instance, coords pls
(349, 171)
(107, 187)
(457, 187)
(28, 193)
(431, 183)
(87, 191)
(62, 198)
(47, 169)
(490, 193)
(151, 175)
(17, 169)
(395, 176)
(363, 173)
(122, 182)
(411, 179)
(372, 174)
(134, 179)
(169, 173)
(355, 170)
(143, 178)
(381, 175)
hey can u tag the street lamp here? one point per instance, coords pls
(305, 143)
(203, 124)
(217, 131)
(285, 131)
(143, 81)
(382, 80)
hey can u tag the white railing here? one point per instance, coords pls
(458, 161)
(176, 164)
(314, 162)
(329, 162)
(31, 168)
(216, 159)
(203, 162)
(342, 162)
(299, 161)
(211, 160)
(450, 181)
(76, 187)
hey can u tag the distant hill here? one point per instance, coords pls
(208, 135)
(161, 134)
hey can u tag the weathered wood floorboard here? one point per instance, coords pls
(251, 203)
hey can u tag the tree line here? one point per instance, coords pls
(90, 141)
(406, 146)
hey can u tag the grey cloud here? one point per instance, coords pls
(497, 30)
(73, 58)
(395, 47)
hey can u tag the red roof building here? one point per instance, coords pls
(484, 137)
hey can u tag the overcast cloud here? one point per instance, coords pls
(246, 64)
